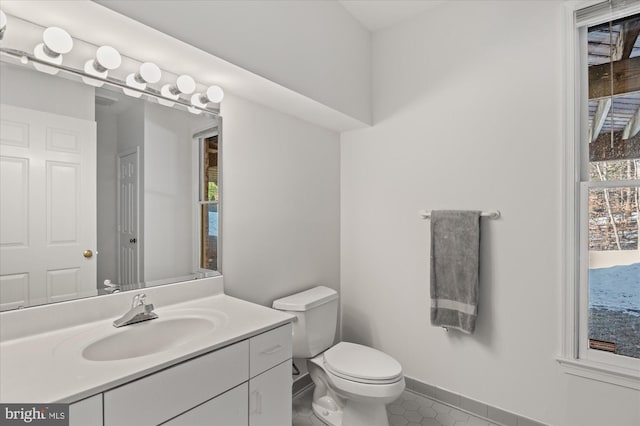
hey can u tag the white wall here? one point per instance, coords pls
(168, 193)
(312, 47)
(27, 88)
(131, 127)
(106, 188)
(467, 108)
(280, 203)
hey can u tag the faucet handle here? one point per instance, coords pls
(138, 299)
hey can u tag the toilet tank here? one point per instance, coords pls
(316, 312)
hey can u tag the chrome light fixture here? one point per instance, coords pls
(147, 73)
(184, 85)
(48, 57)
(107, 59)
(56, 42)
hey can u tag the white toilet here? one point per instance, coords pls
(353, 383)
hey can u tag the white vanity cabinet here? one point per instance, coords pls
(245, 384)
(270, 382)
(87, 412)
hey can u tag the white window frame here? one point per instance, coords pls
(575, 355)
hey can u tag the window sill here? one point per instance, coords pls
(602, 372)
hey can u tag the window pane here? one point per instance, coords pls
(601, 171)
(600, 39)
(616, 135)
(209, 237)
(614, 91)
(613, 219)
(614, 271)
(209, 169)
(614, 153)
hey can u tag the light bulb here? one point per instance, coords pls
(56, 42)
(184, 84)
(214, 94)
(147, 73)
(107, 58)
(3, 24)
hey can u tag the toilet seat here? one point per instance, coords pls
(361, 364)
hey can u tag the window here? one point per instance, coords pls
(208, 203)
(602, 298)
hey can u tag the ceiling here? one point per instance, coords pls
(378, 14)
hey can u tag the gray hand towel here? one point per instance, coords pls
(455, 247)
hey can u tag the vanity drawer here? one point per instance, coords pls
(269, 349)
(163, 395)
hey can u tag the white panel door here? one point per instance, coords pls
(128, 219)
(47, 207)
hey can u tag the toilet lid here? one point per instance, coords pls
(361, 362)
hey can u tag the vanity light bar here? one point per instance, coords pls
(25, 57)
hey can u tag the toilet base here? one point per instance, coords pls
(330, 417)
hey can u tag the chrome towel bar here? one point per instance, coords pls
(426, 214)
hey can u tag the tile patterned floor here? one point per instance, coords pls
(408, 410)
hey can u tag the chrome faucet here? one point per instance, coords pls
(140, 311)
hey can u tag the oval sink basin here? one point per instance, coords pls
(147, 338)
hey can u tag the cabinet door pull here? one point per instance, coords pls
(272, 350)
(257, 402)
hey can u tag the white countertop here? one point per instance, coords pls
(48, 367)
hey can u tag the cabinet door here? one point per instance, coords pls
(270, 397)
(87, 412)
(228, 409)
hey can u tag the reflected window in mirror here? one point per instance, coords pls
(208, 201)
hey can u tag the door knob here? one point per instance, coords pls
(87, 253)
(132, 240)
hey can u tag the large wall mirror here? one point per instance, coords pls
(99, 191)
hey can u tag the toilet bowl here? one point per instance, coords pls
(353, 383)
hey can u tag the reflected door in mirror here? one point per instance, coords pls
(128, 219)
(47, 202)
